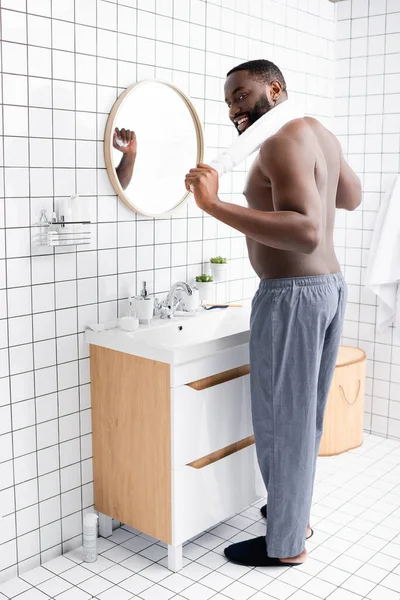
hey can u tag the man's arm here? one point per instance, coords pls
(125, 168)
(296, 224)
(349, 192)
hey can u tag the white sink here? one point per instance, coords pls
(180, 339)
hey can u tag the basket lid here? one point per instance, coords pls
(349, 355)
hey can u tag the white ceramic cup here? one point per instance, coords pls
(192, 302)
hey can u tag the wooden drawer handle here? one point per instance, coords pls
(200, 463)
(356, 398)
(218, 378)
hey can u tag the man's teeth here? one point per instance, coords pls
(240, 121)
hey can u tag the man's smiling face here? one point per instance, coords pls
(247, 98)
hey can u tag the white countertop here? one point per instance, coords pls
(181, 339)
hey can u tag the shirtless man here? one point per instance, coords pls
(127, 162)
(295, 184)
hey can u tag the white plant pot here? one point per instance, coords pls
(206, 291)
(219, 272)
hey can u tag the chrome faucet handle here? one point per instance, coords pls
(162, 309)
(158, 305)
(166, 312)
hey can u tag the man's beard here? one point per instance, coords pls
(262, 106)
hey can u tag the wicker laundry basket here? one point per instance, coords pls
(344, 417)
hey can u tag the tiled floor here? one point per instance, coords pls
(354, 554)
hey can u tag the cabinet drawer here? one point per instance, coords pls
(209, 494)
(209, 365)
(212, 417)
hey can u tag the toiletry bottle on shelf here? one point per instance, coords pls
(43, 228)
(76, 213)
(90, 537)
(66, 216)
(53, 237)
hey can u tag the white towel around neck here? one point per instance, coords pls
(252, 138)
(383, 271)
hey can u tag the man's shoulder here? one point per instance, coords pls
(289, 135)
(296, 133)
(294, 143)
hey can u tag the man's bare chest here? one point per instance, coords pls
(258, 191)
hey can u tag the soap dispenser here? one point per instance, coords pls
(144, 305)
(144, 293)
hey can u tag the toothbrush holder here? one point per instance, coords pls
(144, 308)
(192, 302)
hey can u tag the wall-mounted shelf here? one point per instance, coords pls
(61, 233)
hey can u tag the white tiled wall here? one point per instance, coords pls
(367, 110)
(63, 65)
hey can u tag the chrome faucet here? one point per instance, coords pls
(172, 303)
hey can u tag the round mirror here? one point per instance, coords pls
(153, 137)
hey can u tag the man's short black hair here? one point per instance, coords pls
(263, 70)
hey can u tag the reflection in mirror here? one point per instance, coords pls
(124, 141)
(153, 137)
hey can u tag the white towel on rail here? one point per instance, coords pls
(383, 272)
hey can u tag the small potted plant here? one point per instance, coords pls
(219, 268)
(205, 285)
